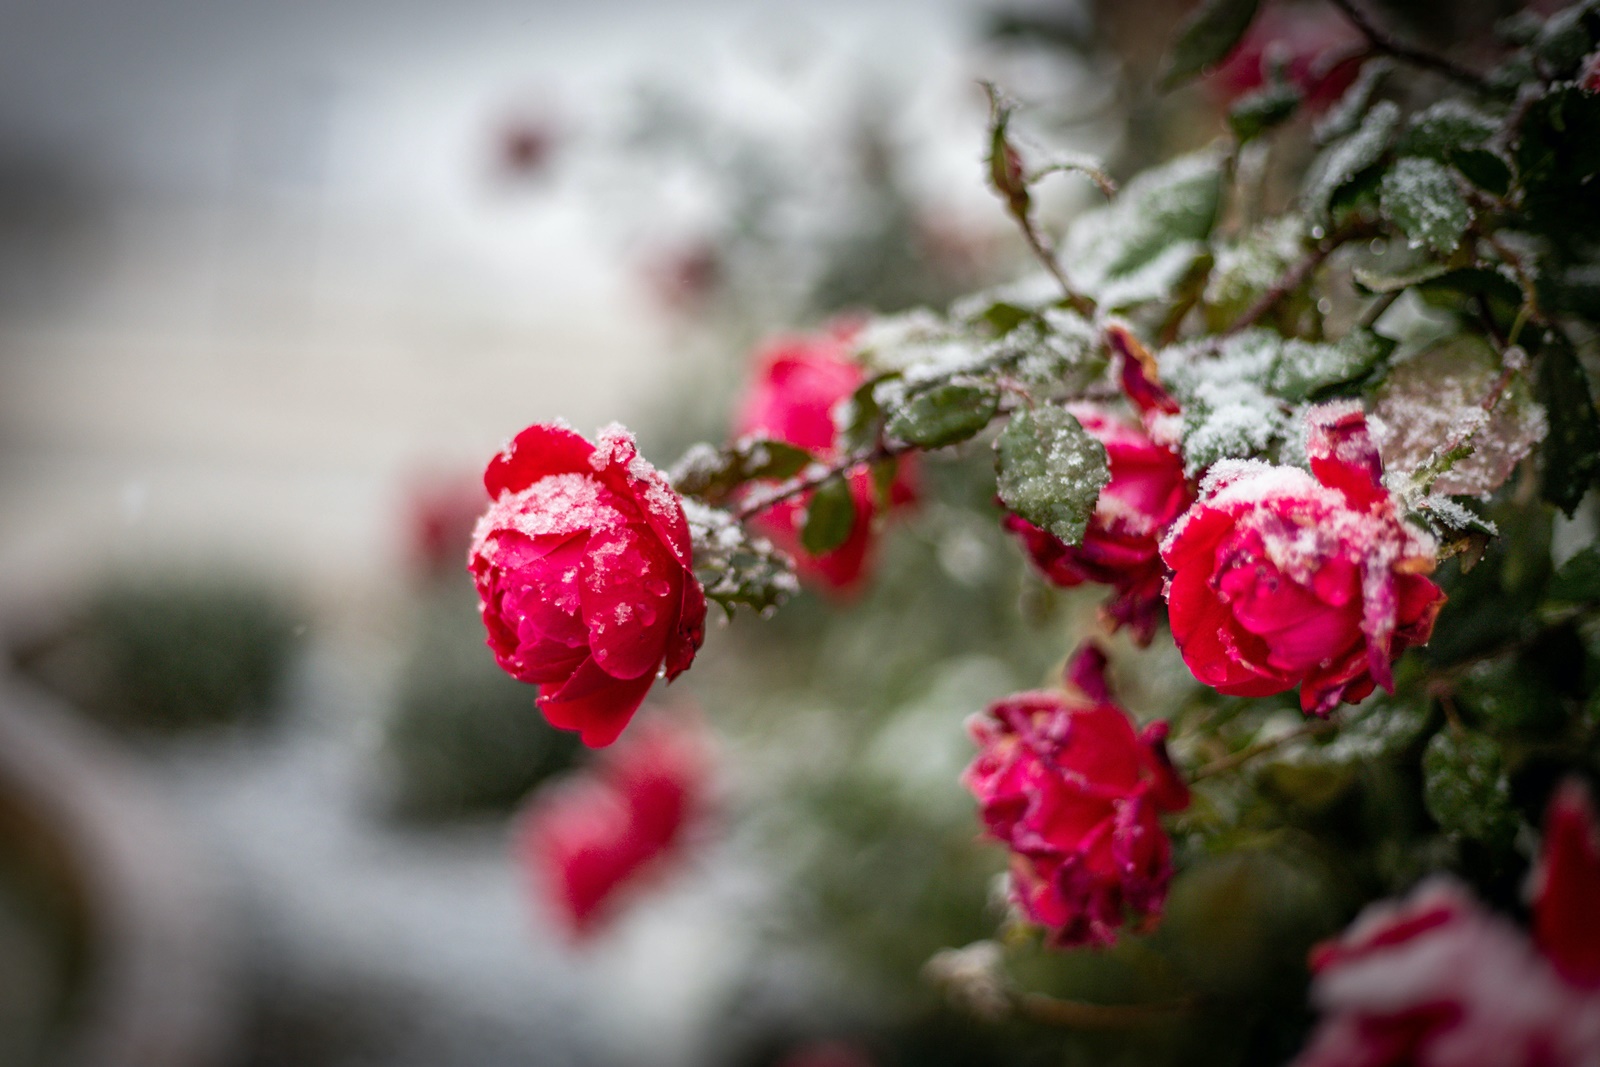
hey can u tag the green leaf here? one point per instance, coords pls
(1488, 170)
(1446, 127)
(736, 567)
(1050, 471)
(1465, 788)
(1306, 370)
(1376, 281)
(1572, 448)
(1513, 696)
(860, 418)
(1345, 161)
(1578, 579)
(1422, 198)
(1564, 41)
(1557, 156)
(1345, 116)
(1159, 221)
(830, 518)
(712, 474)
(945, 414)
(1206, 38)
(1263, 110)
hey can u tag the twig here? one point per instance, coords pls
(1382, 43)
(815, 476)
(1292, 279)
(1238, 759)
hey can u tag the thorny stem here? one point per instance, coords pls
(1292, 279)
(1384, 44)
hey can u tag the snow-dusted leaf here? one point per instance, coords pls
(1305, 369)
(829, 518)
(734, 566)
(1227, 411)
(1346, 115)
(1423, 199)
(1434, 401)
(1572, 458)
(1485, 168)
(1246, 268)
(1578, 579)
(1446, 127)
(946, 414)
(1050, 471)
(1343, 162)
(1465, 788)
(1206, 37)
(859, 419)
(712, 474)
(1263, 110)
(1166, 206)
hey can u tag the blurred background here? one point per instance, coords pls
(276, 279)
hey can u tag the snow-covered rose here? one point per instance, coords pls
(584, 572)
(1282, 579)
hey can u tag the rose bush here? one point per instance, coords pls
(589, 840)
(1064, 781)
(798, 383)
(1283, 579)
(1437, 980)
(584, 572)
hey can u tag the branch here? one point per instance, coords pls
(1292, 279)
(1238, 759)
(814, 476)
(1382, 43)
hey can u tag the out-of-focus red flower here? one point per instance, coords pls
(1436, 981)
(1283, 579)
(1065, 782)
(589, 841)
(526, 146)
(798, 383)
(828, 1054)
(1318, 48)
(441, 514)
(585, 576)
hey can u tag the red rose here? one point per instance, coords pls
(1437, 980)
(1320, 50)
(1281, 579)
(1075, 793)
(583, 567)
(1122, 546)
(604, 831)
(799, 381)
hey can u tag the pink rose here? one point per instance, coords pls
(1283, 579)
(1436, 981)
(584, 573)
(1122, 546)
(799, 381)
(1064, 781)
(602, 832)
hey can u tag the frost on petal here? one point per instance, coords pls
(1342, 454)
(541, 450)
(632, 591)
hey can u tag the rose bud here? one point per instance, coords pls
(1064, 781)
(1283, 579)
(1436, 979)
(584, 573)
(1122, 545)
(799, 381)
(601, 833)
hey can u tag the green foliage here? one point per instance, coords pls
(1572, 450)
(830, 517)
(947, 414)
(1206, 38)
(1466, 789)
(1349, 158)
(1423, 199)
(713, 475)
(1265, 109)
(1050, 471)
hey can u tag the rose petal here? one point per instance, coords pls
(540, 450)
(594, 703)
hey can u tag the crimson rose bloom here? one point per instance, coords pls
(1436, 980)
(1075, 793)
(601, 832)
(798, 383)
(584, 573)
(1320, 50)
(1281, 579)
(1122, 546)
